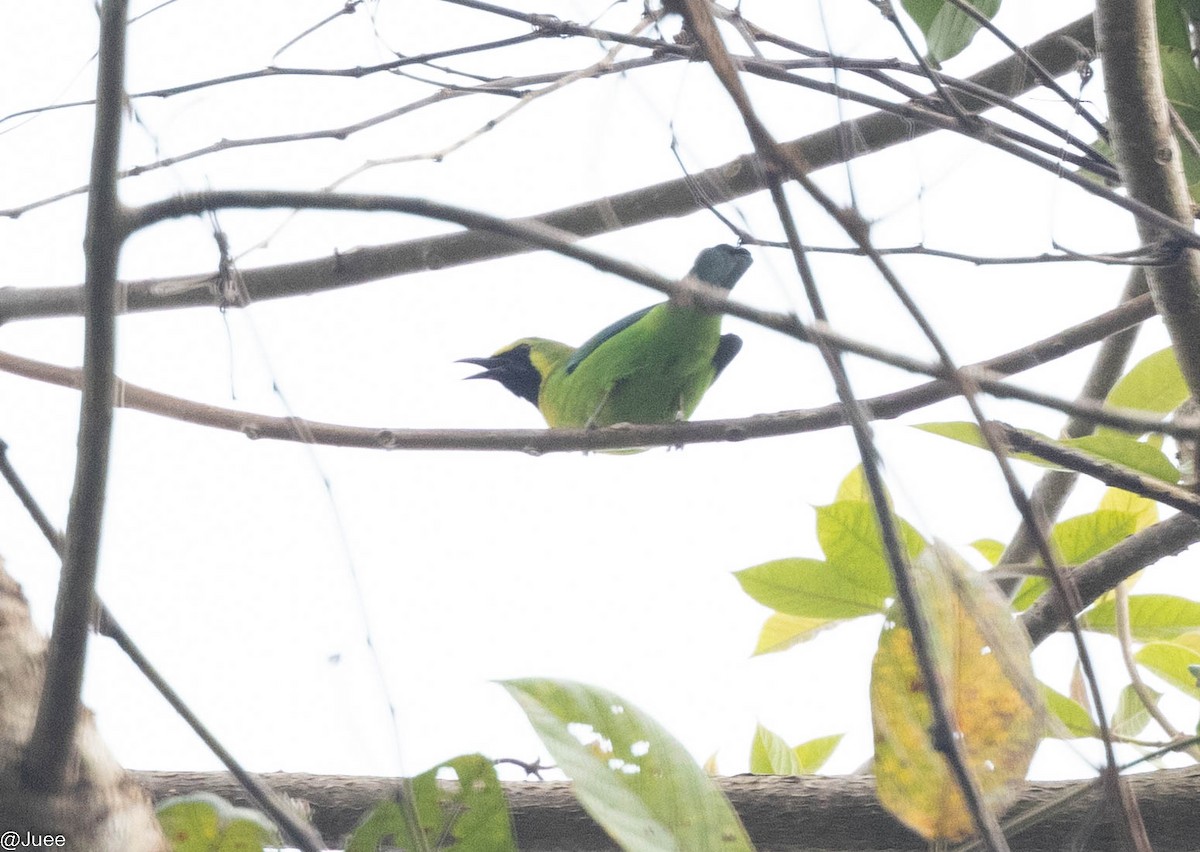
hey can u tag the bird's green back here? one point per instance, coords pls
(653, 370)
(653, 366)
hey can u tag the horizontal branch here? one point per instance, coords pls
(813, 814)
(1058, 52)
(540, 441)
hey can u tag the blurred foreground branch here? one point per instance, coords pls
(814, 814)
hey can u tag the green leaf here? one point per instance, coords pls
(947, 30)
(1142, 508)
(247, 830)
(471, 814)
(989, 549)
(1107, 445)
(809, 588)
(1029, 591)
(848, 533)
(782, 631)
(1172, 25)
(1181, 83)
(631, 776)
(771, 755)
(385, 822)
(968, 433)
(1131, 716)
(1124, 449)
(1077, 540)
(1170, 661)
(1191, 9)
(204, 822)
(813, 754)
(1073, 715)
(191, 823)
(1154, 384)
(1080, 538)
(855, 581)
(1151, 617)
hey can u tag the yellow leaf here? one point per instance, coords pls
(1142, 508)
(994, 701)
(854, 487)
(781, 631)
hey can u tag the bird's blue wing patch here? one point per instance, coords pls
(593, 343)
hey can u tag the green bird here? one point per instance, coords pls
(653, 366)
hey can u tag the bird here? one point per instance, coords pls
(652, 366)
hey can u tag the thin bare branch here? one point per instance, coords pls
(726, 182)
(1052, 489)
(1048, 80)
(596, 69)
(106, 624)
(781, 164)
(1125, 640)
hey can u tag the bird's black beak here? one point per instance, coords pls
(511, 368)
(489, 365)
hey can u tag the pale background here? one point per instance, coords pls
(254, 586)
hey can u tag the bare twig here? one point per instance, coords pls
(1053, 488)
(726, 182)
(440, 154)
(1133, 257)
(1047, 79)
(107, 625)
(1125, 639)
(951, 103)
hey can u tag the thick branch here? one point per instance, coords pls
(46, 758)
(814, 814)
(1149, 160)
(1102, 573)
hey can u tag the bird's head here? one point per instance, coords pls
(522, 366)
(721, 265)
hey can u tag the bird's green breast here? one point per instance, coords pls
(654, 371)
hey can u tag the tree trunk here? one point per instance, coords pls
(100, 809)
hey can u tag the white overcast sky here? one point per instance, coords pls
(254, 587)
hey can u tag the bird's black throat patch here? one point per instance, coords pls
(514, 370)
